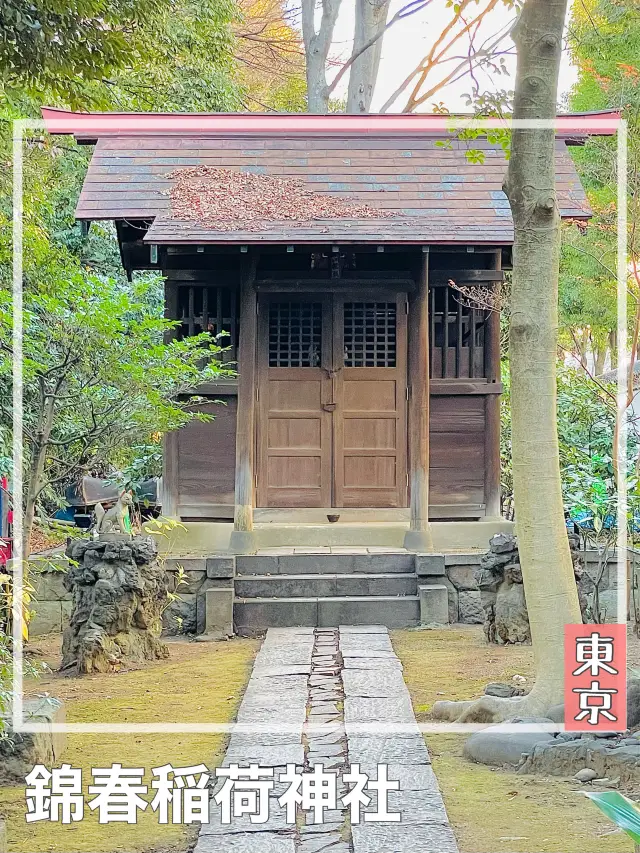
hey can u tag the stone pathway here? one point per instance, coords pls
(325, 696)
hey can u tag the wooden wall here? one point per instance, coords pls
(456, 459)
(206, 459)
(206, 463)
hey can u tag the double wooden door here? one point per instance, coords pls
(332, 382)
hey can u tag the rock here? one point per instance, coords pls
(117, 603)
(511, 618)
(462, 577)
(499, 745)
(556, 713)
(19, 751)
(504, 691)
(585, 775)
(499, 579)
(633, 702)
(502, 543)
(470, 610)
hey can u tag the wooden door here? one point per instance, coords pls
(294, 388)
(370, 381)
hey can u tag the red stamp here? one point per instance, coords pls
(595, 677)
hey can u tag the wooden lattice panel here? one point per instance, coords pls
(295, 334)
(369, 334)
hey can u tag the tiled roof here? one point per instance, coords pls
(439, 195)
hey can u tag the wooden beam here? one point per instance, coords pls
(492, 410)
(170, 462)
(418, 537)
(464, 276)
(339, 285)
(170, 308)
(242, 536)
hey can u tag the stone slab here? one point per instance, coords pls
(286, 671)
(372, 684)
(396, 838)
(276, 823)
(387, 711)
(266, 756)
(366, 663)
(188, 564)
(355, 642)
(218, 611)
(429, 565)
(414, 807)
(363, 629)
(220, 567)
(391, 750)
(434, 604)
(468, 559)
(355, 651)
(396, 611)
(412, 777)
(257, 614)
(297, 654)
(249, 842)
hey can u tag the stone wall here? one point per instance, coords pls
(455, 571)
(52, 603)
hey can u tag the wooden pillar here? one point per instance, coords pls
(242, 538)
(418, 537)
(492, 410)
(170, 496)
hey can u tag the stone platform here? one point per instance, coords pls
(333, 697)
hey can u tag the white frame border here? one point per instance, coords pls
(18, 721)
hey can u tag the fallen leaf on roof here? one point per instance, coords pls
(223, 200)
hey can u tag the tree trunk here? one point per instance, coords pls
(371, 17)
(316, 47)
(613, 344)
(35, 481)
(600, 355)
(550, 589)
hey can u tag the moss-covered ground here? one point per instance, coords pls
(200, 683)
(493, 810)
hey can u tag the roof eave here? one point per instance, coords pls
(88, 127)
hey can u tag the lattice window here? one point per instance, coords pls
(295, 334)
(370, 334)
(456, 336)
(213, 310)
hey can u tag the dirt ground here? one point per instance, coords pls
(493, 810)
(200, 682)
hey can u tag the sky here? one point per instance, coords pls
(411, 39)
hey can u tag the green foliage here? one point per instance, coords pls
(604, 38)
(96, 362)
(49, 44)
(155, 55)
(586, 419)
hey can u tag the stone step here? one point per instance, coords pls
(326, 585)
(306, 564)
(253, 615)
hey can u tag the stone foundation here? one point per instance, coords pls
(187, 613)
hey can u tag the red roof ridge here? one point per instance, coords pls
(88, 127)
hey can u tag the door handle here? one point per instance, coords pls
(329, 407)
